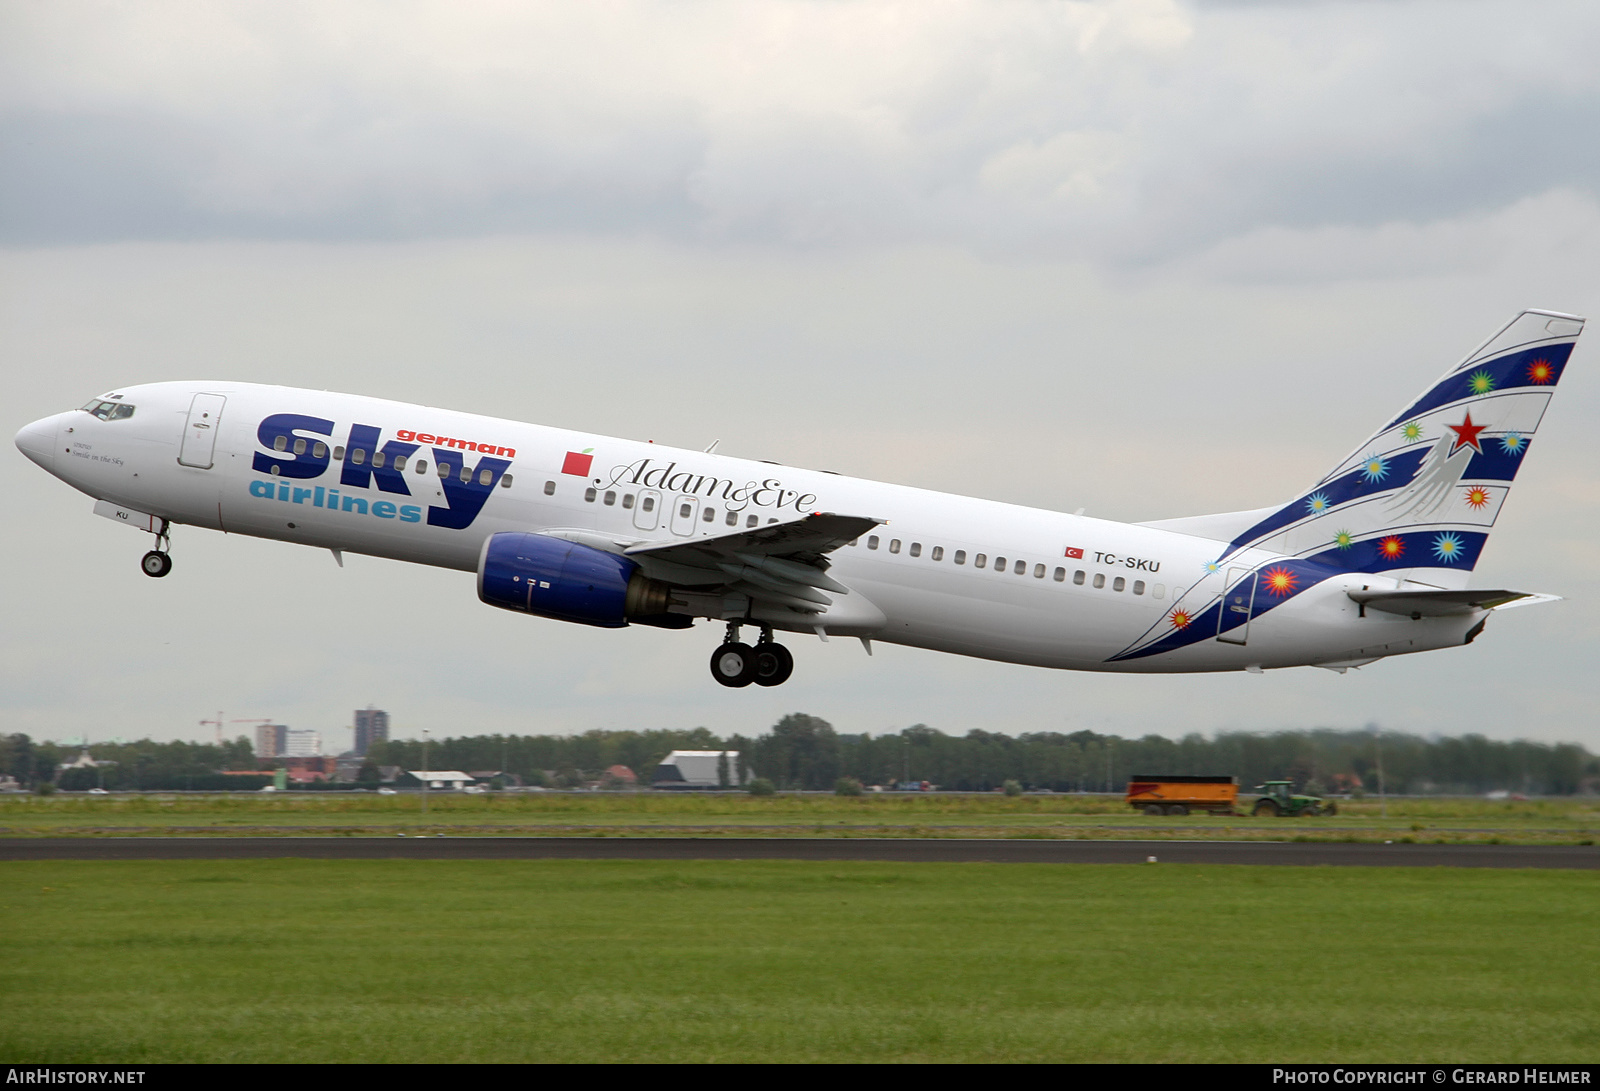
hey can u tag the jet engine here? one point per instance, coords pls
(552, 577)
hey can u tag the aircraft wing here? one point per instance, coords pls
(1420, 603)
(783, 563)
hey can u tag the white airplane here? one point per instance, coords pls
(1371, 561)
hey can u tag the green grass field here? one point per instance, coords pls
(398, 961)
(1562, 821)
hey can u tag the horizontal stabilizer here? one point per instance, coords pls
(1420, 604)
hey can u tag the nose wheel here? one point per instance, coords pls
(158, 562)
(735, 664)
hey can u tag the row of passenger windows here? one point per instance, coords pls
(708, 514)
(358, 456)
(1018, 567)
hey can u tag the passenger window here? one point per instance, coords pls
(358, 456)
(549, 488)
(1077, 577)
(1159, 591)
(853, 542)
(872, 541)
(1038, 571)
(299, 446)
(894, 545)
(1118, 584)
(709, 515)
(422, 467)
(1061, 575)
(611, 499)
(938, 553)
(400, 462)
(627, 500)
(281, 443)
(589, 494)
(1138, 587)
(916, 549)
(999, 564)
(752, 520)
(961, 556)
(683, 512)
(733, 520)
(338, 453)
(378, 459)
(505, 482)
(1022, 568)
(1099, 579)
(648, 504)
(979, 560)
(319, 450)
(466, 475)
(444, 470)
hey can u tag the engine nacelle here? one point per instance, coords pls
(551, 577)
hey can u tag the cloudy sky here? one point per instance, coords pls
(1147, 257)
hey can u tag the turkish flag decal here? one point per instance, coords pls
(1075, 553)
(577, 465)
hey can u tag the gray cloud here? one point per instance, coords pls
(1124, 131)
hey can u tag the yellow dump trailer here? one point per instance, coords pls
(1180, 795)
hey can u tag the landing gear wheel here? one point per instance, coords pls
(734, 665)
(774, 664)
(156, 563)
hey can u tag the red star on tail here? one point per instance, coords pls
(1466, 434)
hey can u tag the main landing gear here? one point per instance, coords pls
(158, 562)
(735, 664)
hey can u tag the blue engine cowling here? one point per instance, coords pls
(552, 577)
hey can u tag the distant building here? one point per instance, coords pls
(372, 725)
(270, 740)
(301, 742)
(697, 769)
(441, 779)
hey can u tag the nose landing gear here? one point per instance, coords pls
(735, 664)
(157, 562)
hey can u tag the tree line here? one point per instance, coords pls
(805, 752)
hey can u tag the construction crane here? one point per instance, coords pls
(218, 722)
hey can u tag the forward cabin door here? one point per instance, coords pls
(200, 431)
(1233, 624)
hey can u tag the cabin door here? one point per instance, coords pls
(200, 431)
(1233, 624)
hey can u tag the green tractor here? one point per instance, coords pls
(1277, 800)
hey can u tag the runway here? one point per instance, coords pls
(900, 850)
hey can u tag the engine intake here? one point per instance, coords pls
(551, 577)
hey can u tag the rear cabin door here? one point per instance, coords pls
(200, 431)
(1233, 624)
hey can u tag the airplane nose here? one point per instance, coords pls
(38, 441)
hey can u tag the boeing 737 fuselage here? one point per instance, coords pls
(1372, 561)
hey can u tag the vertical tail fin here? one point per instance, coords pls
(1418, 498)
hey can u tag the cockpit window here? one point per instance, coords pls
(109, 410)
